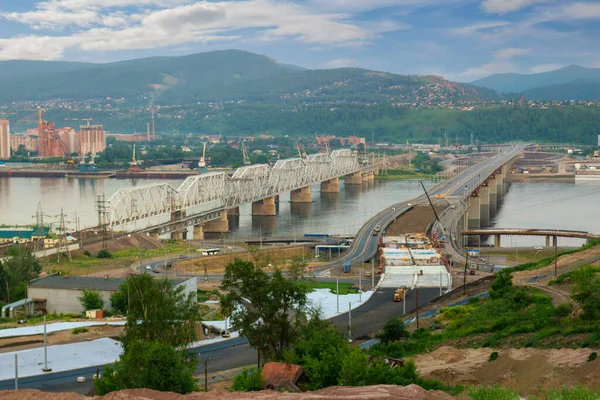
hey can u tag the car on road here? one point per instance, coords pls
(156, 271)
(538, 248)
(182, 256)
(148, 268)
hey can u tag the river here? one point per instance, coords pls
(555, 205)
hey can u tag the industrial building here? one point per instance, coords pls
(91, 139)
(21, 235)
(60, 293)
(4, 139)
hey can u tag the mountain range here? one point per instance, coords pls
(229, 75)
(568, 83)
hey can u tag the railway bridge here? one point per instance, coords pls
(204, 201)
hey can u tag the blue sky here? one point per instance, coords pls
(459, 39)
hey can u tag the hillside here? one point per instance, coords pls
(229, 75)
(521, 82)
(585, 90)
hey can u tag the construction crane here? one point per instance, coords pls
(80, 119)
(302, 155)
(245, 154)
(202, 163)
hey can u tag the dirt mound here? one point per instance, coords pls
(411, 392)
(525, 370)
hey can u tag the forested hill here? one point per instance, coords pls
(229, 75)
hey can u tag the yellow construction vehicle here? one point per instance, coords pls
(400, 294)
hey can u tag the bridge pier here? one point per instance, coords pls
(474, 219)
(353, 179)
(177, 235)
(331, 186)
(302, 195)
(155, 235)
(547, 241)
(555, 241)
(500, 184)
(177, 216)
(497, 242)
(219, 225)
(493, 185)
(198, 232)
(233, 211)
(484, 199)
(264, 207)
(369, 176)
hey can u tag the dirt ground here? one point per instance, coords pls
(560, 293)
(62, 337)
(216, 264)
(416, 220)
(411, 392)
(525, 370)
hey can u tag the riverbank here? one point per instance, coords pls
(540, 177)
(61, 173)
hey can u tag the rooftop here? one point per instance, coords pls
(81, 282)
(276, 374)
(25, 233)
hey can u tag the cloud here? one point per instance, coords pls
(479, 26)
(507, 6)
(511, 52)
(124, 29)
(340, 63)
(581, 10)
(500, 63)
(544, 68)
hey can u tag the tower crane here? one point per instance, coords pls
(245, 154)
(301, 155)
(80, 119)
(202, 163)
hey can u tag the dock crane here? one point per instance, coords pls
(245, 154)
(202, 163)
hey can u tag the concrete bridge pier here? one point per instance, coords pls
(198, 232)
(554, 241)
(497, 242)
(474, 219)
(548, 241)
(233, 211)
(302, 195)
(233, 217)
(500, 184)
(369, 176)
(331, 186)
(155, 235)
(264, 207)
(353, 179)
(484, 200)
(219, 225)
(177, 216)
(493, 185)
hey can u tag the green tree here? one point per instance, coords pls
(394, 329)
(91, 299)
(586, 292)
(19, 267)
(158, 311)
(502, 285)
(150, 365)
(118, 301)
(266, 308)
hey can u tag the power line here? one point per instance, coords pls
(62, 237)
(102, 218)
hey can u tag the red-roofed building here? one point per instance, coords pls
(278, 375)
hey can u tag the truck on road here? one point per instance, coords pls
(400, 294)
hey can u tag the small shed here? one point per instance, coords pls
(283, 375)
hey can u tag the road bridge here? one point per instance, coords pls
(203, 201)
(548, 233)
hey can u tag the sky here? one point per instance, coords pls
(462, 40)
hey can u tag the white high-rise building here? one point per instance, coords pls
(4, 139)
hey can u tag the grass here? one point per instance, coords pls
(204, 295)
(523, 318)
(526, 256)
(345, 288)
(77, 331)
(566, 278)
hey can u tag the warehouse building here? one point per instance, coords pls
(60, 293)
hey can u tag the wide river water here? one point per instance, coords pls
(526, 205)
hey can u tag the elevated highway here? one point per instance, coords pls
(456, 189)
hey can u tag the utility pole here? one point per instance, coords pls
(373, 273)
(45, 369)
(337, 293)
(417, 305)
(102, 211)
(555, 255)
(350, 322)
(465, 274)
(360, 285)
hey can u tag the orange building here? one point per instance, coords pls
(50, 142)
(4, 139)
(126, 137)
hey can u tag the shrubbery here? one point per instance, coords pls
(249, 380)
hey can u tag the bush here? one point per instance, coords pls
(564, 310)
(91, 299)
(77, 331)
(249, 380)
(593, 355)
(493, 356)
(87, 253)
(150, 365)
(104, 254)
(393, 330)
